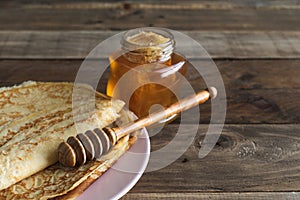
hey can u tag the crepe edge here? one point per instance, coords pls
(26, 83)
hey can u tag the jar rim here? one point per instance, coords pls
(127, 45)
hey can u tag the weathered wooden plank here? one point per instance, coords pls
(17, 71)
(236, 74)
(257, 106)
(216, 196)
(249, 74)
(258, 91)
(161, 4)
(59, 15)
(247, 158)
(77, 44)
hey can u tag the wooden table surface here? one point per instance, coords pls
(256, 46)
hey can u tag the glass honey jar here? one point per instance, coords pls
(148, 56)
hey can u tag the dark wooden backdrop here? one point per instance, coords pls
(254, 43)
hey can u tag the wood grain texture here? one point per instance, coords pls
(246, 158)
(161, 4)
(258, 91)
(191, 15)
(77, 44)
(236, 74)
(216, 196)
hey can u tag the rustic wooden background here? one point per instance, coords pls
(254, 43)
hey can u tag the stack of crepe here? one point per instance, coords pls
(35, 118)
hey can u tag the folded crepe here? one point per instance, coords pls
(35, 118)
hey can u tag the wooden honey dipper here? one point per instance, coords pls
(94, 143)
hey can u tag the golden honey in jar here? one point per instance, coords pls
(145, 70)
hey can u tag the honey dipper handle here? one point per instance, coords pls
(175, 108)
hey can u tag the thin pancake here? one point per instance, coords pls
(30, 141)
(58, 182)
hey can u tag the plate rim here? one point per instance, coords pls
(144, 135)
(138, 175)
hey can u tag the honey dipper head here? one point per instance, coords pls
(212, 92)
(86, 146)
(66, 155)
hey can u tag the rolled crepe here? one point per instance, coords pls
(59, 182)
(36, 118)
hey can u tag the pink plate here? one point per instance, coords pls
(123, 175)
